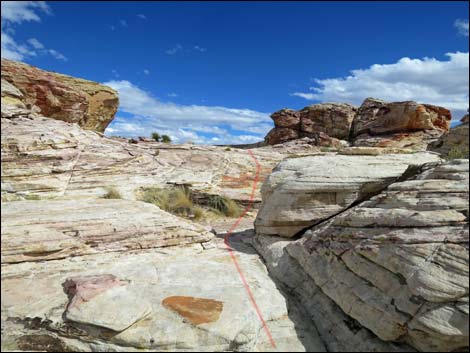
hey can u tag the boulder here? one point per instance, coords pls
(329, 120)
(398, 124)
(389, 272)
(333, 119)
(301, 192)
(89, 104)
(286, 118)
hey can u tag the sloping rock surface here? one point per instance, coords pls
(455, 142)
(57, 96)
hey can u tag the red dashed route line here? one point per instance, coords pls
(234, 258)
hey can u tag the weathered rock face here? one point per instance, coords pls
(454, 144)
(330, 120)
(304, 191)
(87, 103)
(398, 124)
(375, 124)
(395, 267)
(333, 119)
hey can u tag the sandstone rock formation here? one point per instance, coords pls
(375, 124)
(389, 272)
(398, 124)
(304, 191)
(455, 142)
(87, 103)
(46, 158)
(331, 119)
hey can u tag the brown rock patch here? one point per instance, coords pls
(195, 310)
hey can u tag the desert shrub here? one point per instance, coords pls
(112, 193)
(224, 205)
(32, 197)
(166, 139)
(458, 152)
(155, 136)
(178, 201)
(228, 149)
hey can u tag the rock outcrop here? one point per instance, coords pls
(398, 124)
(46, 158)
(375, 124)
(454, 144)
(329, 119)
(389, 272)
(89, 104)
(301, 192)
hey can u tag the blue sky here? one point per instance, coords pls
(212, 72)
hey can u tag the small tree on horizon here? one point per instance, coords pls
(156, 136)
(166, 139)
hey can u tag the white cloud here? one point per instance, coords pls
(35, 43)
(427, 80)
(142, 16)
(172, 51)
(15, 13)
(200, 49)
(172, 95)
(112, 28)
(123, 23)
(184, 122)
(147, 72)
(57, 55)
(462, 27)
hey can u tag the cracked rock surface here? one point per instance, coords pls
(395, 267)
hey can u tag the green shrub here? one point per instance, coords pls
(155, 136)
(458, 152)
(112, 193)
(166, 139)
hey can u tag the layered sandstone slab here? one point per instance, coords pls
(54, 229)
(87, 103)
(304, 191)
(390, 272)
(176, 298)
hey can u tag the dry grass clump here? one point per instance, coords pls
(224, 205)
(178, 201)
(112, 193)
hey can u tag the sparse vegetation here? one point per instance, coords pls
(228, 149)
(155, 136)
(224, 205)
(458, 152)
(112, 193)
(178, 201)
(166, 139)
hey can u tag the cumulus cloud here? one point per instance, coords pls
(123, 23)
(15, 13)
(147, 72)
(426, 80)
(142, 16)
(462, 27)
(197, 123)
